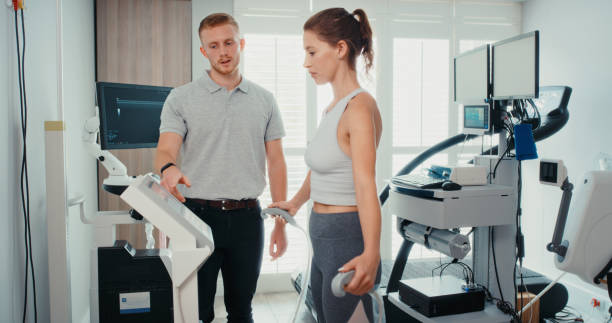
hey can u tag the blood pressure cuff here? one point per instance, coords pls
(524, 142)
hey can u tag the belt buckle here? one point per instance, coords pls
(223, 205)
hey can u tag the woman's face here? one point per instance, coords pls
(321, 59)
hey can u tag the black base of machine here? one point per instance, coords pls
(394, 314)
(438, 296)
(134, 285)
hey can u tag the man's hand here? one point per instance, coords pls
(278, 239)
(171, 177)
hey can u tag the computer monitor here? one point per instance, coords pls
(476, 119)
(516, 67)
(130, 114)
(472, 76)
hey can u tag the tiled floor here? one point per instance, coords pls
(268, 308)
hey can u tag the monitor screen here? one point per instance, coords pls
(130, 114)
(516, 67)
(476, 119)
(472, 76)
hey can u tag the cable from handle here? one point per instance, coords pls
(306, 278)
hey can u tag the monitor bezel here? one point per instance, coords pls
(536, 35)
(477, 131)
(486, 47)
(102, 105)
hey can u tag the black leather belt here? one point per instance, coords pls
(228, 205)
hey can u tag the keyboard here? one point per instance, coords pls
(418, 181)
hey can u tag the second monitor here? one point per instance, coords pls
(472, 76)
(516, 63)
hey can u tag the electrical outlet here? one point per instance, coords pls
(604, 161)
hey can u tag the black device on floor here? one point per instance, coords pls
(438, 296)
(134, 285)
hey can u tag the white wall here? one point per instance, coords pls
(8, 197)
(78, 67)
(42, 82)
(575, 50)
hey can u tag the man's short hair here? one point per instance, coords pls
(217, 19)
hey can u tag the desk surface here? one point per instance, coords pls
(489, 315)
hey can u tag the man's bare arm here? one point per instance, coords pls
(168, 148)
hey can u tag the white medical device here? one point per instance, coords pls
(117, 179)
(584, 248)
(587, 238)
(469, 175)
(191, 240)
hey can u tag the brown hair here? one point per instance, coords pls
(335, 24)
(216, 19)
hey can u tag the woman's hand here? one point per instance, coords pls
(366, 268)
(288, 206)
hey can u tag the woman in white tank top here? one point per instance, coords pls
(342, 159)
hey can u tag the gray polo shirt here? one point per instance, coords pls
(224, 134)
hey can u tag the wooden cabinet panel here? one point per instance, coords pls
(140, 42)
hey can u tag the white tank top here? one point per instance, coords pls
(331, 178)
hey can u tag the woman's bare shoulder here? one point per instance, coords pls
(362, 104)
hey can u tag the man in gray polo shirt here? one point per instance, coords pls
(226, 129)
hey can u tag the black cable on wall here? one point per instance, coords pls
(24, 179)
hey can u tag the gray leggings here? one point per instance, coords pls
(336, 239)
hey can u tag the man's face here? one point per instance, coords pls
(222, 46)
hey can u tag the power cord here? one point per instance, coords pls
(503, 306)
(24, 180)
(468, 273)
(520, 241)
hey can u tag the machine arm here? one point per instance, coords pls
(556, 245)
(118, 180)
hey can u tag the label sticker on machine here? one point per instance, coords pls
(130, 303)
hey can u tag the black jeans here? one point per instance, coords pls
(238, 237)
